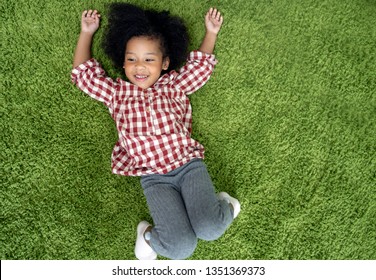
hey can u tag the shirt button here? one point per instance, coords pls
(148, 109)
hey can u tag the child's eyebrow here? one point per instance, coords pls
(149, 53)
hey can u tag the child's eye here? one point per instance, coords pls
(130, 59)
(149, 60)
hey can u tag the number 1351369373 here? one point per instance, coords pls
(235, 271)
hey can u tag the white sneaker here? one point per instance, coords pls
(142, 250)
(231, 200)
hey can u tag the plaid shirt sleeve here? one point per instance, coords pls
(196, 72)
(91, 79)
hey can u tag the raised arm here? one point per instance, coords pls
(89, 25)
(213, 23)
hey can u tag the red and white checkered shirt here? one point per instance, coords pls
(154, 125)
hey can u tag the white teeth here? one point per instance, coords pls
(140, 77)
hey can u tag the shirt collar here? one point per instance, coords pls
(163, 80)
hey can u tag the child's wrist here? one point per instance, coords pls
(87, 33)
(211, 33)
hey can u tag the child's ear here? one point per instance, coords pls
(166, 63)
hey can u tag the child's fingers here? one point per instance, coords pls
(87, 13)
(96, 14)
(215, 14)
(90, 14)
(218, 16)
(220, 20)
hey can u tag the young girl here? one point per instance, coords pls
(153, 118)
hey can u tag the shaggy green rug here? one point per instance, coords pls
(288, 120)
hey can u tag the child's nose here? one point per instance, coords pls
(140, 65)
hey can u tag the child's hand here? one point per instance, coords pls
(213, 21)
(90, 21)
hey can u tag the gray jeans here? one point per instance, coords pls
(184, 208)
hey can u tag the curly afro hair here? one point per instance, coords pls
(126, 21)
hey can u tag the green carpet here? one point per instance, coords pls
(288, 120)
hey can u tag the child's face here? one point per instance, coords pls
(144, 61)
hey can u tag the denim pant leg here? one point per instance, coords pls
(209, 216)
(172, 235)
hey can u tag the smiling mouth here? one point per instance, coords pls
(141, 78)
